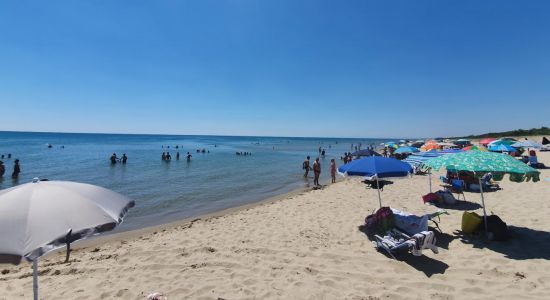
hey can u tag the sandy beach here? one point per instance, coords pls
(307, 245)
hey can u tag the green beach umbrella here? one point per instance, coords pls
(480, 163)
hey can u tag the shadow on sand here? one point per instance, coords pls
(524, 243)
(459, 205)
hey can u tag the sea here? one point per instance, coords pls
(167, 191)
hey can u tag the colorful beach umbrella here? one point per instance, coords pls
(475, 148)
(481, 163)
(430, 145)
(377, 167)
(501, 142)
(407, 149)
(41, 216)
(486, 141)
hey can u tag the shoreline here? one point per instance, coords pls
(136, 232)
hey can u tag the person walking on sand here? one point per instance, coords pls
(333, 170)
(16, 169)
(316, 171)
(306, 167)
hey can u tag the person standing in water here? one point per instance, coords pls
(333, 170)
(16, 169)
(177, 155)
(2, 168)
(188, 156)
(113, 159)
(124, 158)
(316, 171)
(306, 167)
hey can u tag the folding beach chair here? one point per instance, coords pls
(396, 242)
(458, 186)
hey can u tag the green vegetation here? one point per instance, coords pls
(518, 132)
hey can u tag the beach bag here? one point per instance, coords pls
(471, 222)
(386, 220)
(497, 229)
(381, 221)
(431, 197)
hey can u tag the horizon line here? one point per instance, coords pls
(213, 135)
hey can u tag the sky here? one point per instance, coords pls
(278, 68)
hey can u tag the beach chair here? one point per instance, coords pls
(396, 242)
(458, 186)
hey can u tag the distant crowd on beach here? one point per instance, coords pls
(16, 166)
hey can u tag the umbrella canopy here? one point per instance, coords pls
(407, 149)
(378, 167)
(527, 144)
(501, 142)
(38, 217)
(366, 152)
(391, 145)
(501, 148)
(486, 141)
(417, 159)
(475, 148)
(483, 162)
(429, 145)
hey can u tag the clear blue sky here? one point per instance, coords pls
(286, 68)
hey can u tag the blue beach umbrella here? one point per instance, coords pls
(502, 148)
(407, 149)
(377, 167)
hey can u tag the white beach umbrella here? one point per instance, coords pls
(41, 216)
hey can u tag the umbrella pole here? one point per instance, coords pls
(378, 189)
(35, 278)
(483, 203)
(430, 179)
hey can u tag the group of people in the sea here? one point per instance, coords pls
(114, 159)
(16, 166)
(167, 157)
(243, 153)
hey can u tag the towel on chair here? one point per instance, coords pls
(424, 240)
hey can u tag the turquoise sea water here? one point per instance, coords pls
(167, 191)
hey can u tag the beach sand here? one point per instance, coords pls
(308, 246)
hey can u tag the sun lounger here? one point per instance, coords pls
(396, 242)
